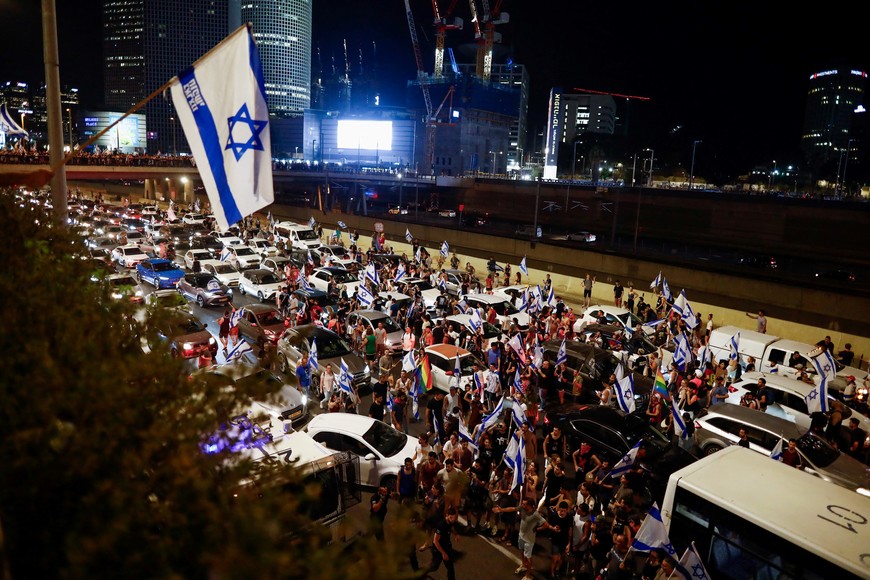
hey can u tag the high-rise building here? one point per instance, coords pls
(570, 116)
(146, 43)
(123, 53)
(282, 30)
(832, 99)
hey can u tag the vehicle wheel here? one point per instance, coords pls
(711, 449)
(282, 363)
(390, 483)
(315, 387)
(260, 297)
(241, 290)
(200, 301)
(139, 277)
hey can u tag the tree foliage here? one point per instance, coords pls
(101, 470)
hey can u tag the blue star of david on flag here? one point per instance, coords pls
(243, 116)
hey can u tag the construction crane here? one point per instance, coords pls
(421, 72)
(442, 25)
(485, 22)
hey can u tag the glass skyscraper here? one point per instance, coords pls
(282, 30)
(832, 98)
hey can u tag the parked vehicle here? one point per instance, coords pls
(331, 350)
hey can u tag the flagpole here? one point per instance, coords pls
(143, 102)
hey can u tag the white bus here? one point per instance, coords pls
(753, 517)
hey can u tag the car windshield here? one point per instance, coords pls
(164, 266)
(307, 235)
(201, 280)
(270, 318)
(125, 281)
(818, 451)
(629, 319)
(131, 251)
(423, 285)
(245, 252)
(331, 347)
(255, 382)
(343, 277)
(224, 269)
(385, 439)
(269, 278)
(504, 308)
(319, 299)
(338, 252)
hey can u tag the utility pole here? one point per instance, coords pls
(55, 118)
(692, 170)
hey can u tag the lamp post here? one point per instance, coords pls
(770, 176)
(692, 170)
(846, 163)
(174, 144)
(652, 158)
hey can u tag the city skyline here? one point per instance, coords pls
(735, 80)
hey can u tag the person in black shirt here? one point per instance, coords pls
(435, 413)
(562, 525)
(442, 544)
(376, 410)
(378, 511)
(500, 438)
(380, 387)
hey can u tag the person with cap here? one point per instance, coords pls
(849, 390)
(719, 393)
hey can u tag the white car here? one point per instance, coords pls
(334, 255)
(260, 283)
(505, 311)
(429, 292)
(262, 247)
(193, 218)
(320, 277)
(125, 286)
(491, 333)
(448, 213)
(134, 237)
(129, 255)
(196, 254)
(582, 236)
(228, 239)
(243, 257)
(598, 314)
(442, 359)
(514, 293)
(223, 271)
(381, 448)
(790, 399)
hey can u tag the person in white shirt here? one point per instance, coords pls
(327, 382)
(492, 385)
(409, 340)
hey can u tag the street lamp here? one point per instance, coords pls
(846, 164)
(692, 170)
(174, 147)
(770, 177)
(574, 162)
(652, 158)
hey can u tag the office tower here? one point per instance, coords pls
(833, 96)
(282, 30)
(570, 116)
(146, 43)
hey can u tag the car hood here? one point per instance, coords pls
(287, 398)
(355, 364)
(195, 337)
(847, 472)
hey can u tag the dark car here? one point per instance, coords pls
(595, 365)
(323, 300)
(261, 320)
(614, 338)
(612, 433)
(205, 289)
(207, 243)
(187, 337)
(381, 260)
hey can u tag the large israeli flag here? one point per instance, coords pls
(221, 104)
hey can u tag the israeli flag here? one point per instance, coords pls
(624, 465)
(408, 235)
(735, 346)
(302, 282)
(776, 452)
(523, 267)
(666, 291)
(342, 225)
(409, 362)
(475, 321)
(364, 296)
(465, 435)
(689, 316)
(624, 389)
(682, 352)
(445, 249)
(679, 426)
(235, 317)
(345, 379)
(457, 370)
(656, 281)
(517, 382)
(400, 273)
(705, 355)
(690, 566)
(462, 305)
(817, 399)
(418, 256)
(221, 105)
(517, 414)
(239, 350)
(519, 471)
(410, 311)
(562, 357)
(551, 297)
(680, 303)
(490, 419)
(225, 254)
(653, 534)
(372, 274)
(312, 357)
(310, 258)
(525, 303)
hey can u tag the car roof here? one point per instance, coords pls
(604, 414)
(309, 292)
(158, 261)
(447, 350)
(607, 309)
(371, 314)
(488, 298)
(755, 418)
(260, 308)
(774, 380)
(348, 422)
(258, 272)
(331, 270)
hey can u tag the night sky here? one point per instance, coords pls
(732, 75)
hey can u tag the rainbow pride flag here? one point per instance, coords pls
(424, 374)
(661, 387)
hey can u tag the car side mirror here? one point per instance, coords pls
(371, 457)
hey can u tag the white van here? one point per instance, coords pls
(301, 237)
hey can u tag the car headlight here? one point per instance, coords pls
(187, 346)
(139, 293)
(304, 400)
(211, 340)
(117, 295)
(367, 370)
(388, 342)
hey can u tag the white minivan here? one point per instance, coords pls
(301, 237)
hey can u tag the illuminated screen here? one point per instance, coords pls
(373, 135)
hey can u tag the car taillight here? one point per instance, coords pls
(697, 425)
(732, 389)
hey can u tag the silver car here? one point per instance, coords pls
(204, 289)
(371, 319)
(331, 350)
(719, 427)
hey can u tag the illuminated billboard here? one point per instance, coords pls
(365, 135)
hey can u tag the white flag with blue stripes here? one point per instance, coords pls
(624, 389)
(776, 452)
(562, 357)
(490, 419)
(408, 235)
(445, 249)
(235, 316)
(240, 350)
(475, 321)
(653, 534)
(342, 225)
(372, 274)
(666, 290)
(656, 281)
(817, 399)
(523, 267)
(735, 346)
(400, 273)
(364, 296)
(624, 465)
(221, 103)
(345, 379)
(312, 356)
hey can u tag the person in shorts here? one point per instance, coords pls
(531, 521)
